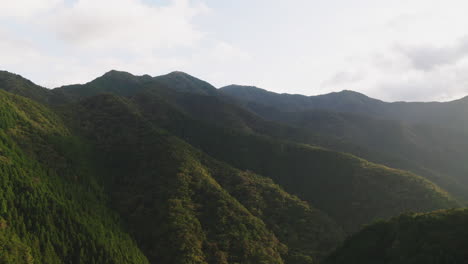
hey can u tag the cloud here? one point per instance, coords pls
(397, 77)
(427, 57)
(15, 50)
(408, 73)
(126, 25)
(443, 84)
(421, 72)
(26, 8)
(392, 51)
(74, 42)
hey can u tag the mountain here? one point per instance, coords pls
(450, 114)
(345, 101)
(408, 136)
(214, 124)
(18, 85)
(208, 195)
(164, 200)
(168, 169)
(437, 237)
(126, 84)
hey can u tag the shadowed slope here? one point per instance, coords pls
(228, 215)
(437, 237)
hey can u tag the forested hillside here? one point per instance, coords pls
(425, 138)
(53, 209)
(215, 124)
(102, 167)
(161, 180)
(168, 169)
(437, 237)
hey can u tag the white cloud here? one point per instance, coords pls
(126, 25)
(445, 83)
(392, 50)
(418, 53)
(81, 40)
(26, 8)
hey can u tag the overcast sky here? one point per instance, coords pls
(412, 50)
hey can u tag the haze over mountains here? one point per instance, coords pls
(169, 169)
(426, 138)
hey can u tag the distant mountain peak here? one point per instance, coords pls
(118, 74)
(238, 86)
(179, 73)
(245, 89)
(349, 93)
(183, 82)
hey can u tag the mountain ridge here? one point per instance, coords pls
(193, 176)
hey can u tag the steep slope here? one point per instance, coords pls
(205, 211)
(365, 190)
(311, 176)
(351, 190)
(51, 209)
(430, 151)
(182, 206)
(437, 237)
(242, 220)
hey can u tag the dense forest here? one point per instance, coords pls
(436, 237)
(169, 169)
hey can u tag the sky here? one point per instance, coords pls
(399, 50)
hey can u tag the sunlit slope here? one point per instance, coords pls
(182, 205)
(351, 190)
(51, 209)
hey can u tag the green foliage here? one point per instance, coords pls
(94, 178)
(156, 180)
(366, 190)
(438, 237)
(12, 250)
(428, 139)
(46, 213)
(308, 232)
(18, 85)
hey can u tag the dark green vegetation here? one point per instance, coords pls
(51, 208)
(168, 169)
(438, 237)
(428, 139)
